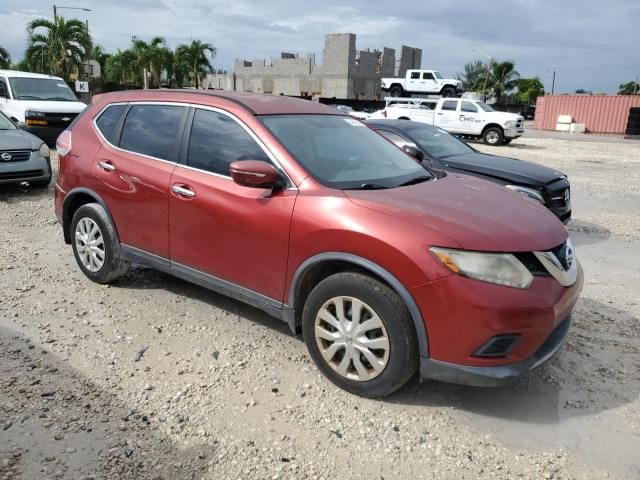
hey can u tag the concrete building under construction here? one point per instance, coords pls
(344, 73)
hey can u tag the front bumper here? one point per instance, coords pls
(462, 314)
(35, 169)
(47, 134)
(513, 132)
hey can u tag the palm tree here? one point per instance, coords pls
(64, 43)
(99, 55)
(154, 56)
(5, 58)
(121, 67)
(629, 88)
(501, 78)
(194, 59)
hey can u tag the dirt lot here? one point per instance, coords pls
(153, 378)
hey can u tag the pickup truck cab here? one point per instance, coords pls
(466, 118)
(40, 104)
(426, 82)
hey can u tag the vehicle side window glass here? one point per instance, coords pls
(216, 141)
(427, 76)
(4, 91)
(395, 138)
(451, 105)
(152, 130)
(415, 75)
(107, 121)
(468, 107)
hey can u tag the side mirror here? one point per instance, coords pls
(414, 151)
(256, 174)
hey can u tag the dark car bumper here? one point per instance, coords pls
(35, 169)
(48, 134)
(495, 375)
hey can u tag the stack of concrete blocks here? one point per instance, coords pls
(564, 123)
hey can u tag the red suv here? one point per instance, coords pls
(302, 211)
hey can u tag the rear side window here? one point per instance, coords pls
(217, 141)
(415, 75)
(153, 130)
(107, 121)
(451, 105)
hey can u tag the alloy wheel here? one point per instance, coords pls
(90, 244)
(352, 338)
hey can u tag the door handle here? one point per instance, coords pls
(106, 166)
(440, 113)
(183, 191)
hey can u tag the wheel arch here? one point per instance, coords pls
(491, 125)
(73, 201)
(320, 266)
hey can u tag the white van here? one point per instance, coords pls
(40, 104)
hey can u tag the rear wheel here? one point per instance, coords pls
(360, 334)
(493, 136)
(396, 91)
(96, 245)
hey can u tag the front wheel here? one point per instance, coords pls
(493, 136)
(448, 92)
(360, 334)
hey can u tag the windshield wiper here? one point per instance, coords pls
(369, 186)
(64, 99)
(413, 181)
(29, 97)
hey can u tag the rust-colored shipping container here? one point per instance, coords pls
(599, 113)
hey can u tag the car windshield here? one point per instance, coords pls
(485, 107)
(41, 89)
(343, 153)
(438, 75)
(438, 143)
(5, 123)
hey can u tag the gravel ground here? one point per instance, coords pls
(154, 378)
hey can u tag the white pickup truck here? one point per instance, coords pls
(467, 118)
(425, 82)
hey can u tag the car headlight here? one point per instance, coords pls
(531, 193)
(499, 268)
(510, 124)
(44, 151)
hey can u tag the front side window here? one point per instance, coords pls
(153, 130)
(395, 138)
(217, 141)
(107, 121)
(427, 76)
(4, 90)
(48, 89)
(468, 107)
(343, 153)
(6, 123)
(450, 105)
(485, 107)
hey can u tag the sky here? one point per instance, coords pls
(590, 44)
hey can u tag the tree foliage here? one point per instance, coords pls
(5, 58)
(500, 79)
(472, 72)
(629, 88)
(58, 46)
(529, 89)
(193, 60)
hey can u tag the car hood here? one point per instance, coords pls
(502, 117)
(53, 106)
(477, 214)
(18, 140)
(508, 169)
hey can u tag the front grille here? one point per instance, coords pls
(557, 192)
(531, 262)
(14, 155)
(22, 175)
(59, 120)
(520, 123)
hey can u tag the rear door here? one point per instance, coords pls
(447, 115)
(228, 232)
(133, 170)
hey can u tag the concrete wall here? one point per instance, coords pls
(344, 72)
(410, 58)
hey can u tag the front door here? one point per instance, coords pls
(235, 234)
(447, 116)
(469, 118)
(133, 177)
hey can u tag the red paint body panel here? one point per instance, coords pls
(258, 240)
(236, 233)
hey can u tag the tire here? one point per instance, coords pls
(634, 117)
(507, 141)
(493, 136)
(102, 265)
(395, 365)
(634, 111)
(404, 118)
(396, 91)
(448, 92)
(633, 124)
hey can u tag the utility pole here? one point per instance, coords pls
(553, 82)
